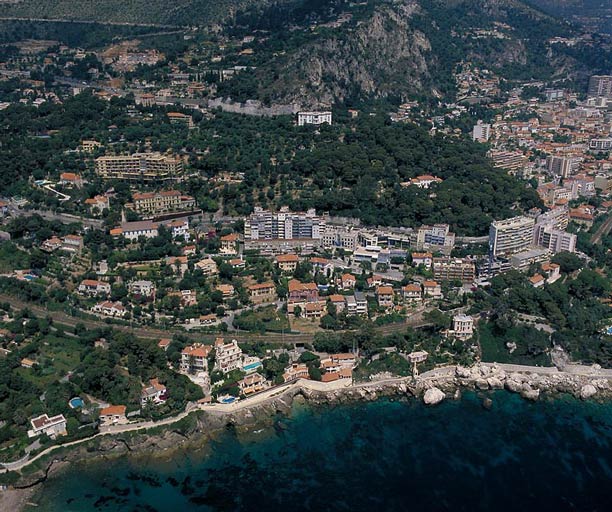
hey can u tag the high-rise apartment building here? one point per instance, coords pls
(562, 166)
(481, 132)
(144, 167)
(600, 86)
(510, 236)
(283, 225)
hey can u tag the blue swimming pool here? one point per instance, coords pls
(251, 366)
(29, 277)
(228, 400)
(76, 402)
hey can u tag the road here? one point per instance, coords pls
(602, 231)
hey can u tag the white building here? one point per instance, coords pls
(510, 236)
(142, 288)
(314, 117)
(481, 132)
(134, 230)
(43, 424)
(228, 356)
(463, 327)
(93, 287)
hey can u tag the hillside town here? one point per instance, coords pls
(138, 274)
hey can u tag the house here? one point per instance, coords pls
(208, 266)
(237, 263)
(228, 356)
(155, 393)
(463, 327)
(422, 258)
(134, 230)
(348, 281)
(253, 383)
(344, 360)
(583, 215)
(262, 292)
(108, 308)
(180, 263)
(194, 358)
(537, 281)
(356, 304)
(71, 179)
(303, 291)
(432, 290)
(27, 363)
(374, 281)
(227, 290)
(287, 262)
(412, 292)
(338, 301)
(72, 243)
(314, 310)
(142, 288)
(341, 374)
(189, 250)
(325, 266)
(113, 415)
(384, 295)
(164, 343)
(186, 297)
(51, 426)
(552, 271)
(296, 371)
(229, 244)
(94, 287)
(51, 244)
(180, 229)
(98, 204)
(423, 181)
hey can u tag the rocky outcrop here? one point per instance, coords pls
(587, 391)
(433, 396)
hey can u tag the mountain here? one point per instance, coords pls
(163, 12)
(404, 49)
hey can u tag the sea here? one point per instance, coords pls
(550, 455)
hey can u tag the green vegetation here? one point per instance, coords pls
(572, 308)
(262, 319)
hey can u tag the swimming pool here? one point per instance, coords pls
(251, 366)
(76, 402)
(228, 400)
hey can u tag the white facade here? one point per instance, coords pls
(481, 132)
(314, 117)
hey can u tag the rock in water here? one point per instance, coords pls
(433, 396)
(487, 403)
(587, 391)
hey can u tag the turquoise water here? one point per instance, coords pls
(382, 456)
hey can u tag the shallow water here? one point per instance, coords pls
(382, 456)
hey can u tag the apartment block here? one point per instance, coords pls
(141, 167)
(162, 202)
(510, 236)
(283, 225)
(314, 117)
(454, 269)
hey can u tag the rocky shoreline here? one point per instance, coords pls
(432, 388)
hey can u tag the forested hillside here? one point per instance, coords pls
(353, 168)
(176, 12)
